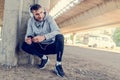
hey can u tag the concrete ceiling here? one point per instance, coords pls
(108, 17)
(107, 20)
(79, 9)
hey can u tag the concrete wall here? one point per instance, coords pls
(24, 15)
(1, 10)
(45, 4)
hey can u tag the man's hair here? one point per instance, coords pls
(35, 7)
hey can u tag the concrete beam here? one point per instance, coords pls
(94, 17)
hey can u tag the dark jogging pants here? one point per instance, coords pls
(45, 49)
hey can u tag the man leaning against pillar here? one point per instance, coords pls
(43, 38)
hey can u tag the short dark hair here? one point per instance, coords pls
(35, 7)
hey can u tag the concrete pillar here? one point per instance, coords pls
(45, 4)
(74, 38)
(9, 33)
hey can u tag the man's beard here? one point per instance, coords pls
(38, 19)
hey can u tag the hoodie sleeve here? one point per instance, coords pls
(54, 28)
(29, 29)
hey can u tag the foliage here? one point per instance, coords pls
(116, 36)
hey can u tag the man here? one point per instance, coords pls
(43, 37)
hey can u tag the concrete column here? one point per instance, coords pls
(16, 14)
(45, 4)
(74, 38)
(9, 33)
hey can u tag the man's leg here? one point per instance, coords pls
(59, 40)
(32, 49)
(35, 49)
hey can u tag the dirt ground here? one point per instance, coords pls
(75, 67)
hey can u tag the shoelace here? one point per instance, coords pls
(60, 67)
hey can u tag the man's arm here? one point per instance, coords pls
(54, 29)
(29, 31)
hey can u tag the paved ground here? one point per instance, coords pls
(78, 63)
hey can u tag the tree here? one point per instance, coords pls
(116, 36)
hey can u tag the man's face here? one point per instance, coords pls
(38, 14)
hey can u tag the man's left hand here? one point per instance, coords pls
(37, 39)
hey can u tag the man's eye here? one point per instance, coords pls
(37, 14)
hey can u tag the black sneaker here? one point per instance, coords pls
(44, 62)
(59, 70)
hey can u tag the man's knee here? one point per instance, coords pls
(59, 37)
(24, 46)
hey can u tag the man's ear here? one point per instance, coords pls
(44, 11)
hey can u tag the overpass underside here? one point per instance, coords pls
(104, 14)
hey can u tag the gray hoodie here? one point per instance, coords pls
(46, 27)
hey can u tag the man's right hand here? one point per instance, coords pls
(28, 40)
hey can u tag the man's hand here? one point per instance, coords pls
(38, 39)
(28, 40)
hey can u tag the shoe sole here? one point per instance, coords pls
(45, 64)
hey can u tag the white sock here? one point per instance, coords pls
(58, 63)
(44, 57)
